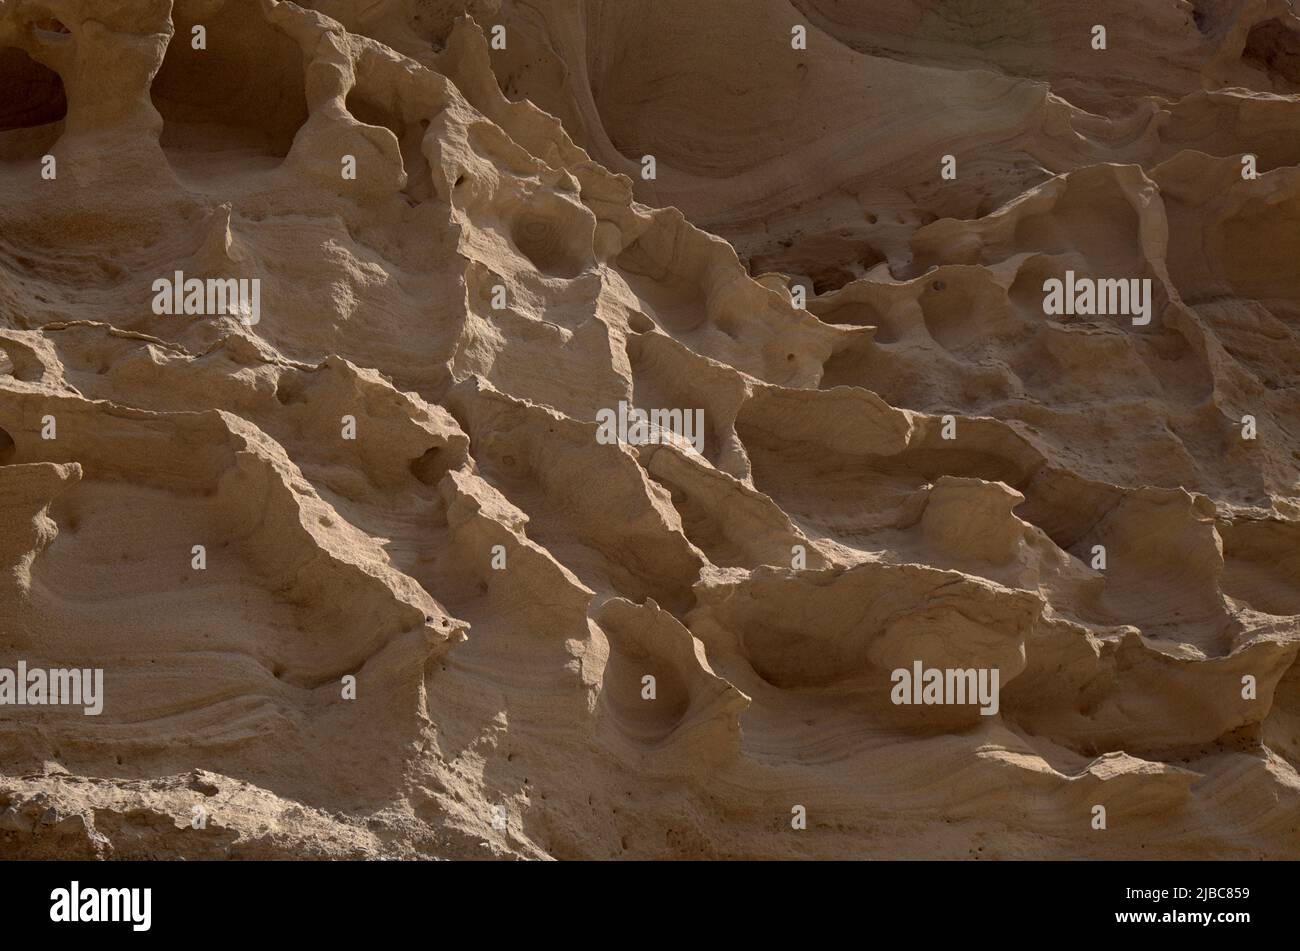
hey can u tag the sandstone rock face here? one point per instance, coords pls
(365, 576)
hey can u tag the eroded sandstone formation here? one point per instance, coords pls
(394, 473)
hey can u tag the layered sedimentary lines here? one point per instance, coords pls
(553, 502)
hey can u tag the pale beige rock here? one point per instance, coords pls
(498, 580)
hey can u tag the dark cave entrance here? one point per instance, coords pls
(33, 105)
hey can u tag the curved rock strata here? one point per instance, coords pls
(430, 475)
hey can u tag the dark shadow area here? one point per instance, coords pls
(32, 106)
(8, 449)
(1274, 49)
(410, 139)
(244, 91)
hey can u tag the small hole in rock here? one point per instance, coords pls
(51, 25)
(430, 467)
(640, 324)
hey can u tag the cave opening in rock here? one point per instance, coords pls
(33, 105)
(243, 92)
(431, 467)
(410, 140)
(1274, 49)
(8, 449)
